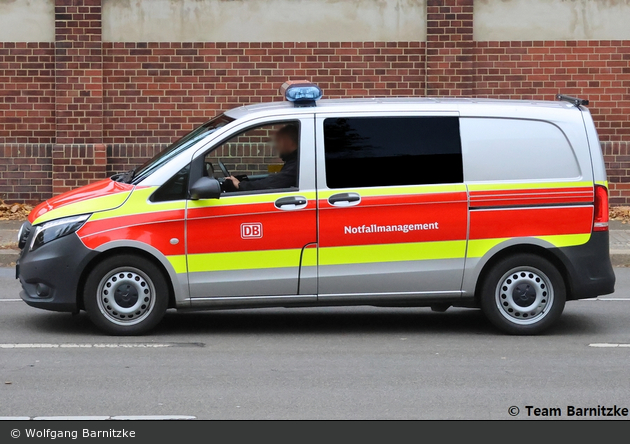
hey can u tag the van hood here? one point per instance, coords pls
(99, 196)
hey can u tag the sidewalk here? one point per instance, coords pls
(619, 242)
(8, 242)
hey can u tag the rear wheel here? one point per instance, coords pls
(523, 294)
(126, 295)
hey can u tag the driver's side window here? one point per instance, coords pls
(260, 158)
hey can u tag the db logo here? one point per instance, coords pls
(251, 231)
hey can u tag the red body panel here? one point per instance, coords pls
(142, 219)
(495, 198)
(94, 190)
(157, 235)
(487, 224)
(217, 229)
(448, 210)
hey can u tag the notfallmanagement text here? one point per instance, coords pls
(404, 228)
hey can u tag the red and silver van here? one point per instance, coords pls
(492, 204)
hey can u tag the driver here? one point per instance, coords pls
(286, 141)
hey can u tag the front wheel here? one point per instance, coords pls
(523, 294)
(126, 295)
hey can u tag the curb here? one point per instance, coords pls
(620, 258)
(8, 257)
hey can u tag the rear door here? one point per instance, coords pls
(392, 206)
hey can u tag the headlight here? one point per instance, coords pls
(55, 229)
(25, 230)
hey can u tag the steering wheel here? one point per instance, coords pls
(208, 169)
(224, 170)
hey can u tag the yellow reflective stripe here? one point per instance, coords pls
(85, 206)
(178, 262)
(138, 203)
(356, 254)
(396, 191)
(602, 182)
(479, 247)
(309, 257)
(566, 240)
(526, 185)
(244, 260)
(412, 251)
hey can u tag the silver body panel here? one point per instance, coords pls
(258, 282)
(426, 276)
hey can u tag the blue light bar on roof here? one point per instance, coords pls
(301, 92)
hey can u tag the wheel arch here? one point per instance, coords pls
(177, 291)
(538, 249)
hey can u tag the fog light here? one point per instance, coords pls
(42, 290)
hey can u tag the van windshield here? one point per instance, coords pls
(138, 174)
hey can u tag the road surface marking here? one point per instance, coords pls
(122, 345)
(101, 418)
(71, 418)
(11, 300)
(603, 299)
(154, 418)
(608, 345)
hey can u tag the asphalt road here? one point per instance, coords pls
(332, 363)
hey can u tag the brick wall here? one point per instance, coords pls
(599, 70)
(77, 165)
(25, 172)
(617, 158)
(157, 91)
(126, 101)
(78, 72)
(27, 92)
(125, 156)
(449, 52)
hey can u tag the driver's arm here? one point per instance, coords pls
(235, 181)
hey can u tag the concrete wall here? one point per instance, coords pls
(552, 20)
(27, 20)
(263, 21)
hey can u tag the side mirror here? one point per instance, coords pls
(205, 188)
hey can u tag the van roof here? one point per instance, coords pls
(401, 104)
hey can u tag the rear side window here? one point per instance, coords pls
(389, 151)
(513, 149)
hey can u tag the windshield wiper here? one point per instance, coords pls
(126, 177)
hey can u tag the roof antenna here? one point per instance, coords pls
(573, 100)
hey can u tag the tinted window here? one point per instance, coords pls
(176, 188)
(386, 151)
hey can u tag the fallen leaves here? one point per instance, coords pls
(14, 211)
(620, 213)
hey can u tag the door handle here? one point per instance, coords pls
(344, 199)
(291, 203)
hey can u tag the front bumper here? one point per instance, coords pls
(589, 268)
(56, 268)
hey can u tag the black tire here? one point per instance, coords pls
(126, 295)
(523, 294)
